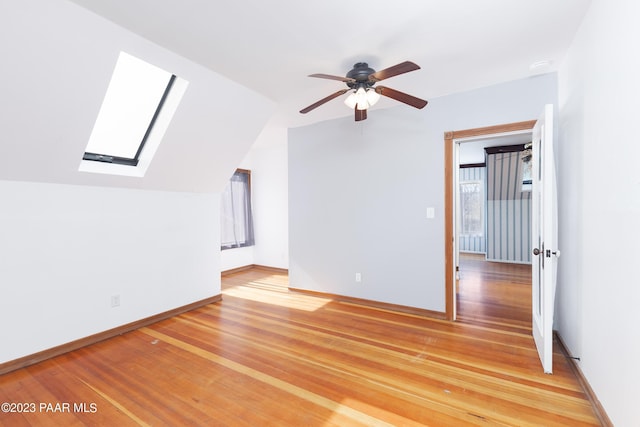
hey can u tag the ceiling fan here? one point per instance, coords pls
(361, 81)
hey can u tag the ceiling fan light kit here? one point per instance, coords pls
(362, 98)
(361, 80)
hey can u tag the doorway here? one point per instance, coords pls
(452, 141)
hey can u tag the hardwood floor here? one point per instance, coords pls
(267, 356)
(494, 294)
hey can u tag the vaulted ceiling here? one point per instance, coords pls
(247, 63)
(271, 46)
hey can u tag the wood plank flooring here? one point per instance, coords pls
(267, 356)
(494, 294)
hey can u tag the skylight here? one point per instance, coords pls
(140, 101)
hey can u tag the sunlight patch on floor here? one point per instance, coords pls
(282, 299)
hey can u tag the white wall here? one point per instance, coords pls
(270, 198)
(70, 242)
(65, 250)
(359, 192)
(598, 152)
(236, 258)
(267, 161)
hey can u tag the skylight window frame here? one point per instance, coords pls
(118, 147)
(106, 158)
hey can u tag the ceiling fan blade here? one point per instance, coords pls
(401, 96)
(323, 100)
(403, 67)
(330, 77)
(360, 115)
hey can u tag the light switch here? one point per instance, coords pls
(431, 213)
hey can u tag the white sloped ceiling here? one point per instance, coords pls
(57, 62)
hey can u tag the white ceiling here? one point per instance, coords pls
(61, 54)
(271, 46)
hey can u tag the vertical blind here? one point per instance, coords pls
(236, 217)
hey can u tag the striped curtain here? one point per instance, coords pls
(508, 210)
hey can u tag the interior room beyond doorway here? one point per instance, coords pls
(495, 294)
(493, 233)
(467, 147)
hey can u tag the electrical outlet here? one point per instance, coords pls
(115, 301)
(358, 277)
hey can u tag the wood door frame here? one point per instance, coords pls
(450, 138)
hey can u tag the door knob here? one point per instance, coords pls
(536, 251)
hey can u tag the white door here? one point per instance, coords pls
(544, 233)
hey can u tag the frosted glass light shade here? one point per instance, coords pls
(361, 99)
(372, 97)
(351, 101)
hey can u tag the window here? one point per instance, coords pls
(137, 108)
(472, 206)
(235, 206)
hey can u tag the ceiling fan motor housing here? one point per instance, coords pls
(360, 73)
